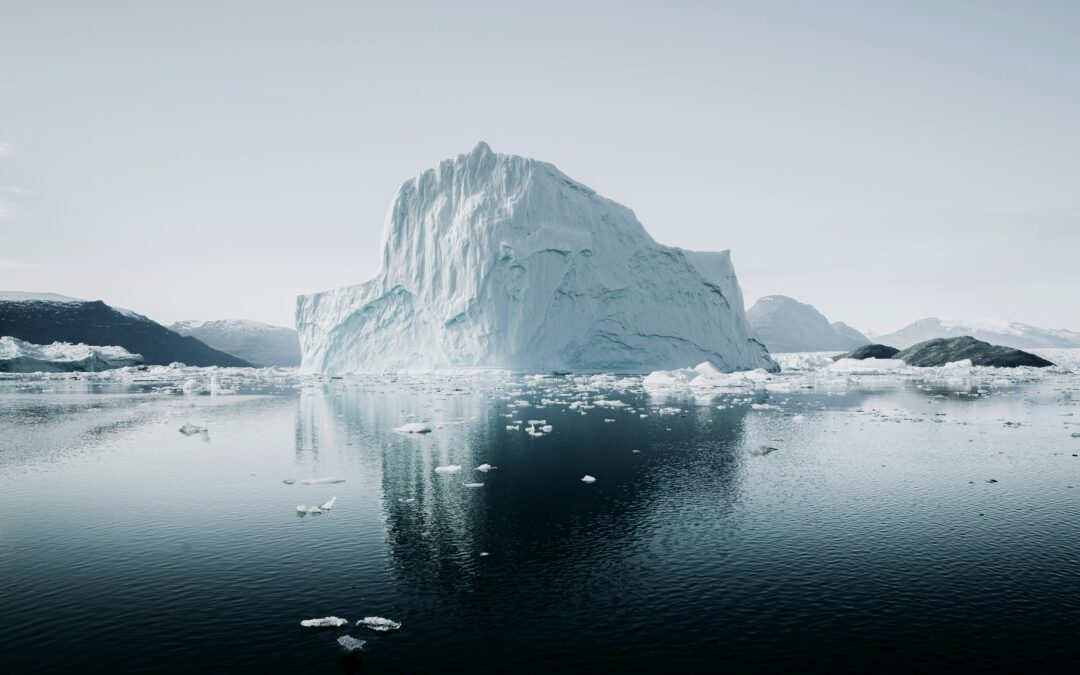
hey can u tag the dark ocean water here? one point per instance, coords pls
(871, 539)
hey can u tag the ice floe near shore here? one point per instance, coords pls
(17, 356)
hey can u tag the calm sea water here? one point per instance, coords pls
(872, 538)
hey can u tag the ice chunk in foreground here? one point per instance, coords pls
(413, 428)
(588, 479)
(473, 485)
(351, 644)
(485, 467)
(322, 481)
(330, 504)
(191, 430)
(378, 623)
(325, 622)
(449, 468)
(308, 510)
(17, 356)
(496, 245)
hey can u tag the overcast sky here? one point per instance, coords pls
(883, 161)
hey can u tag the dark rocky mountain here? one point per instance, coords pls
(95, 323)
(874, 351)
(940, 351)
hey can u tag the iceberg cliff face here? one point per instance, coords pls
(500, 261)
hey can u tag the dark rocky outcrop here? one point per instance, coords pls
(874, 351)
(940, 351)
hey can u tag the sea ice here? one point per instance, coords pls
(330, 504)
(325, 622)
(588, 479)
(351, 644)
(473, 485)
(191, 430)
(485, 467)
(322, 481)
(449, 468)
(378, 623)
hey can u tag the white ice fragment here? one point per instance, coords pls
(351, 644)
(330, 504)
(588, 479)
(473, 485)
(322, 481)
(485, 467)
(289, 481)
(413, 428)
(325, 622)
(546, 428)
(378, 623)
(191, 430)
(449, 468)
(311, 510)
(513, 427)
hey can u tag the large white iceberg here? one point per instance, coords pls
(500, 261)
(17, 356)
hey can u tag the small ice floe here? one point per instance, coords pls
(484, 554)
(449, 468)
(546, 428)
(608, 420)
(513, 427)
(761, 406)
(762, 450)
(289, 481)
(588, 479)
(322, 481)
(473, 485)
(308, 510)
(413, 428)
(485, 467)
(378, 623)
(325, 622)
(351, 644)
(191, 430)
(329, 505)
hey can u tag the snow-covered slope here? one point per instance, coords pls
(500, 261)
(17, 356)
(995, 331)
(787, 325)
(260, 344)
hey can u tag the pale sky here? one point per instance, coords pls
(883, 161)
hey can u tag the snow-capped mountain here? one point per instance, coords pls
(787, 325)
(42, 319)
(259, 344)
(995, 331)
(494, 260)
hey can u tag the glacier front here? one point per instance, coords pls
(499, 261)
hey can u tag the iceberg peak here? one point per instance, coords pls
(500, 261)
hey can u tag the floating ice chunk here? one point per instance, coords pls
(413, 428)
(325, 622)
(761, 406)
(485, 467)
(799, 418)
(309, 510)
(289, 481)
(473, 485)
(588, 479)
(546, 428)
(330, 504)
(378, 623)
(191, 430)
(866, 366)
(608, 420)
(762, 450)
(449, 468)
(322, 481)
(351, 644)
(533, 423)
(513, 427)
(609, 404)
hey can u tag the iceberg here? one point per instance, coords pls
(498, 261)
(351, 644)
(18, 356)
(378, 623)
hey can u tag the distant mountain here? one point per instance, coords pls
(257, 343)
(995, 331)
(42, 319)
(787, 325)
